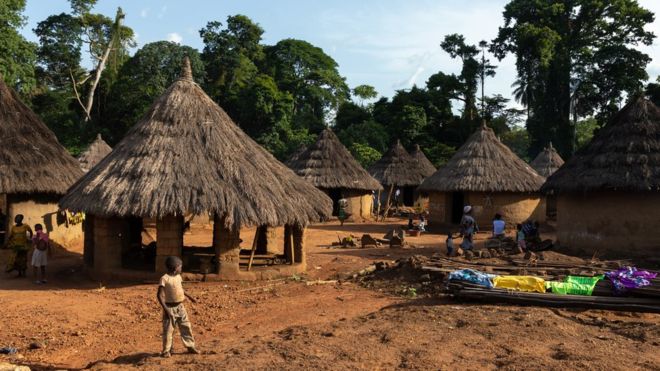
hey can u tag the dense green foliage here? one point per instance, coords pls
(576, 63)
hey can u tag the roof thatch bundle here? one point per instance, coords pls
(94, 153)
(31, 158)
(294, 156)
(397, 168)
(186, 155)
(623, 156)
(328, 164)
(484, 164)
(547, 161)
(425, 165)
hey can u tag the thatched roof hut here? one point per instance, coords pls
(34, 169)
(187, 156)
(423, 162)
(330, 166)
(487, 175)
(608, 192)
(547, 161)
(31, 158)
(94, 153)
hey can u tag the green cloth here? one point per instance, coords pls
(574, 285)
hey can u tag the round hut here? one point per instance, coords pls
(546, 163)
(608, 192)
(397, 169)
(329, 166)
(186, 156)
(427, 168)
(94, 153)
(487, 175)
(35, 171)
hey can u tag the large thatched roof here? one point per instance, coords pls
(622, 156)
(484, 164)
(547, 161)
(425, 165)
(94, 153)
(398, 168)
(31, 158)
(328, 164)
(187, 155)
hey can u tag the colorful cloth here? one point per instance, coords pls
(574, 285)
(520, 283)
(629, 278)
(470, 275)
(18, 237)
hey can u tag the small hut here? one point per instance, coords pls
(186, 156)
(397, 169)
(487, 175)
(422, 199)
(546, 163)
(35, 170)
(96, 152)
(329, 166)
(608, 192)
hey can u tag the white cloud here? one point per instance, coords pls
(174, 37)
(144, 13)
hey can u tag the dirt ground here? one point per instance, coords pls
(288, 324)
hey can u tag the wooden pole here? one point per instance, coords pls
(293, 251)
(254, 248)
(378, 208)
(387, 203)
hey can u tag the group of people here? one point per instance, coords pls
(421, 224)
(527, 233)
(20, 240)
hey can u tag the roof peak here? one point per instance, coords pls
(186, 70)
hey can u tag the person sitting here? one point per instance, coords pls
(450, 244)
(411, 225)
(499, 226)
(422, 223)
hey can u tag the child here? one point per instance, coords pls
(411, 225)
(499, 226)
(450, 244)
(171, 297)
(422, 223)
(520, 237)
(41, 253)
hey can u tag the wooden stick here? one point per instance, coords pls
(293, 251)
(254, 248)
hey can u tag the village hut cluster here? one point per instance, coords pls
(329, 166)
(35, 171)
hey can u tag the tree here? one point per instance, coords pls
(485, 70)
(364, 154)
(17, 55)
(412, 119)
(350, 114)
(518, 140)
(368, 133)
(653, 91)
(573, 56)
(143, 78)
(455, 45)
(364, 93)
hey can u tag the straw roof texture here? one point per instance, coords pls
(397, 168)
(547, 161)
(94, 153)
(31, 158)
(622, 156)
(328, 164)
(425, 165)
(484, 164)
(187, 155)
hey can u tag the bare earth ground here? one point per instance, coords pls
(287, 324)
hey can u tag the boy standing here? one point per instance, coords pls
(41, 253)
(171, 297)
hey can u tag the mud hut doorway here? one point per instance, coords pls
(457, 204)
(139, 246)
(408, 194)
(335, 195)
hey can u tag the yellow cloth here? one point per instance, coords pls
(18, 237)
(520, 283)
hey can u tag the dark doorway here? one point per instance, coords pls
(409, 196)
(335, 195)
(136, 255)
(457, 204)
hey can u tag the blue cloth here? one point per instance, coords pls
(472, 276)
(629, 278)
(8, 350)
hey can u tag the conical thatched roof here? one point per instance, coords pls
(484, 164)
(547, 162)
(623, 156)
(31, 158)
(294, 156)
(425, 165)
(398, 168)
(94, 153)
(328, 164)
(187, 156)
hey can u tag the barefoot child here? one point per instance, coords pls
(171, 297)
(41, 253)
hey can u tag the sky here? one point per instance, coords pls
(389, 44)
